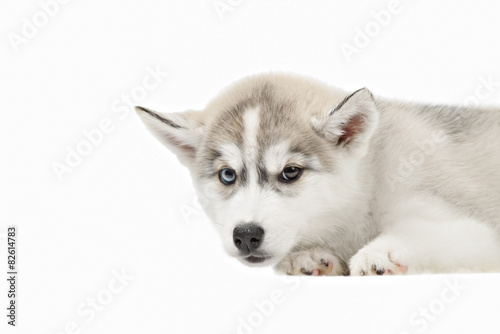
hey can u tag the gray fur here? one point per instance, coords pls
(376, 164)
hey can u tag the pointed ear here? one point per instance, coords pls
(351, 123)
(180, 132)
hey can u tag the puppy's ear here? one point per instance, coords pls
(180, 132)
(351, 123)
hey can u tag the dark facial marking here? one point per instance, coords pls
(262, 174)
(244, 176)
(213, 155)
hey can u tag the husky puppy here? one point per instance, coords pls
(316, 181)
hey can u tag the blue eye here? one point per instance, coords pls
(227, 176)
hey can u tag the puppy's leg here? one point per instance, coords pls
(430, 247)
(315, 261)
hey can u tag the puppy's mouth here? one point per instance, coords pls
(256, 259)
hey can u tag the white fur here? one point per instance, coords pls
(414, 189)
(231, 155)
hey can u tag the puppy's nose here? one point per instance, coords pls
(248, 237)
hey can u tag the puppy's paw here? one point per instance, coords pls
(311, 262)
(372, 260)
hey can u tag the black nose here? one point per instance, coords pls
(248, 237)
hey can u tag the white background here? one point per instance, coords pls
(129, 205)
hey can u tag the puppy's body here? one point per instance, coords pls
(383, 187)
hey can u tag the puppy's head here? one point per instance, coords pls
(273, 159)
